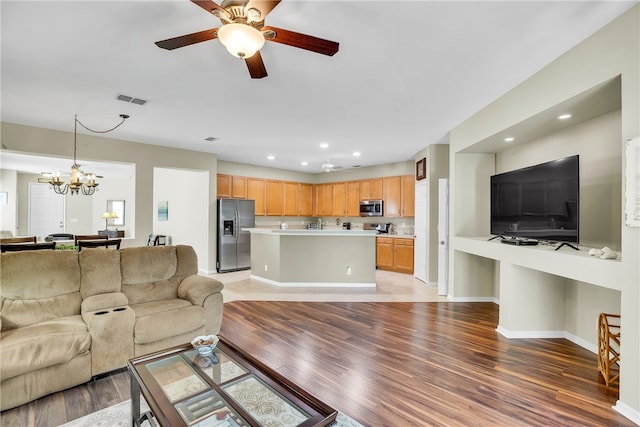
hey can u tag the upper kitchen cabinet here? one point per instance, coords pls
(305, 199)
(392, 195)
(340, 198)
(223, 186)
(408, 197)
(371, 189)
(256, 191)
(291, 199)
(353, 198)
(275, 198)
(324, 199)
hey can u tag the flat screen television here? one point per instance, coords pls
(538, 202)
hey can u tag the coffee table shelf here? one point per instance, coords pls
(227, 388)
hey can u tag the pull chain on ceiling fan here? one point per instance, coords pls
(243, 33)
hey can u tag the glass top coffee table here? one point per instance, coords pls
(226, 388)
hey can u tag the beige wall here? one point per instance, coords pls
(611, 52)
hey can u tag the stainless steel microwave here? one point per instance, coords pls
(371, 208)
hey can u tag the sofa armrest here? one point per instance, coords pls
(197, 288)
(103, 301)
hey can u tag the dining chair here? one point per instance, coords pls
(80, 237)
(24, 239)
(106, 243)
(15, 247)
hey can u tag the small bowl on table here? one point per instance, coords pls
(205, 344)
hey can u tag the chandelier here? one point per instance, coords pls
(79, 181)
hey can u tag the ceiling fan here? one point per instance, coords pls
(329, 166)
(243, 33)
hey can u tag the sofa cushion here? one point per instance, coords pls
(100, 272)
(157, 320)
(42, 345)
(31, 295)
(146, 272)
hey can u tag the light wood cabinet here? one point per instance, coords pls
(324, 197)
(239, 187)
(384, 253)
(392, 195)
(394, 254)
(353, 198)
(291, 199)
(340, 199)
(223, 186)
(275, 197)
(256, 191)
(408, 196)
(371, 189)
(305, 199)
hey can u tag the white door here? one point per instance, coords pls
(443, 236)
(420, 230)
(46, 211)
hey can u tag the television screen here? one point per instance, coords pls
(538, 202)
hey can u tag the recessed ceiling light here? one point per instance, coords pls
(324, 145)
(564, 116)
(304, 163)
(509, 139)
(356, 154)
(270, 157)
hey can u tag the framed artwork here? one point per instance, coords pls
(4, 197)
(163, 211)
(421, 169)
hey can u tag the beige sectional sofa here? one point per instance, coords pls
(66, 316)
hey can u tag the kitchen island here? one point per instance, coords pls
(344, 258)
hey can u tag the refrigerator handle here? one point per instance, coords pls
(237, 221)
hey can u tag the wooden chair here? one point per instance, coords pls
(609, 347)
(61, 236)
(99, 243)
(89, 237)
(14, 247)
(26, 239)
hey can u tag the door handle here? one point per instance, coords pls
(442, 242)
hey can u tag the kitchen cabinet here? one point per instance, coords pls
(275, 197)
(353, 198)
(392, 195)
(239, 187)
(256, 191)
(340, 199)
(291, 199)
(371, 189)
(384, 253)
(408, 196)
(223, 186)
(324, 199)
(394, 254)
(305, 199)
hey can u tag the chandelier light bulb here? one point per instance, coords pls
(241, 40)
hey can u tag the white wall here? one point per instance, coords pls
(187, 194)
(9, 212)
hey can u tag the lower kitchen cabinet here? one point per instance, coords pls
(394, 254)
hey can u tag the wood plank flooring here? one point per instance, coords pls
(394, 364)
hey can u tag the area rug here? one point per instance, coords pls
(119, 415)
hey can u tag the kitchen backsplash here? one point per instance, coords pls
(403, 226)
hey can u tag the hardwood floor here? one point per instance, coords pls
(394, 364)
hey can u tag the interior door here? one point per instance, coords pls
(443, 236)
(420, 230)
(46, 211)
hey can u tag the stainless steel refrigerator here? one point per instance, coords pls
(234, 245)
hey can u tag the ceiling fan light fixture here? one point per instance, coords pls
(241, 40)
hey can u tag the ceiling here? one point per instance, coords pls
(405, 74)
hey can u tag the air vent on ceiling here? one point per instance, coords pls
(211, 139)
(131, 99)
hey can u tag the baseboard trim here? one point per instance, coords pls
(548, 334)
(627, 412)
(472, 299)
(315, 284)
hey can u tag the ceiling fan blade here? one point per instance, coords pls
(264, 6)
(188, 39)
(256, 66)
(207, 5)
(303, 41)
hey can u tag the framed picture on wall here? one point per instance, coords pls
(4, 197)
(163, 211)
(421, 169)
